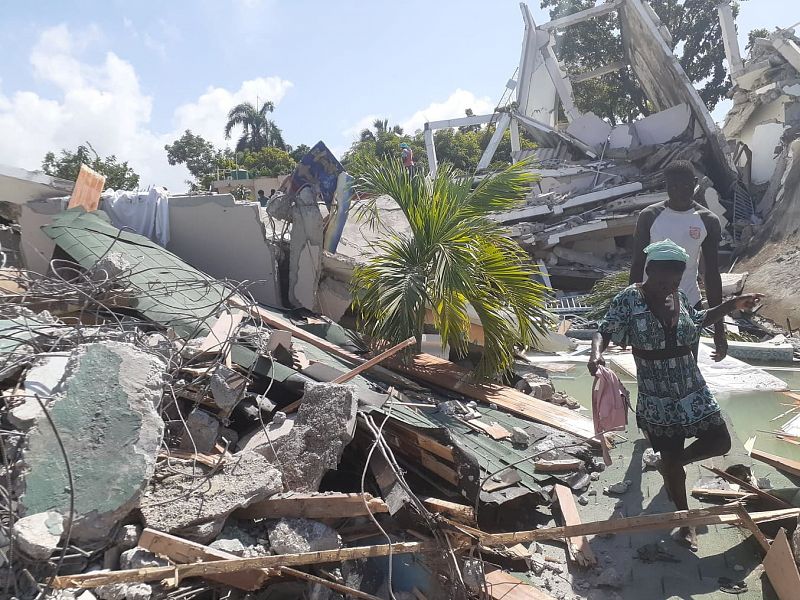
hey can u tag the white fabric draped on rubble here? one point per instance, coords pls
(145, 212)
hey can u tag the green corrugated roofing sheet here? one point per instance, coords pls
(168, 291)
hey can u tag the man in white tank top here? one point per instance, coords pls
(693, 227)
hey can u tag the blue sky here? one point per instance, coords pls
(131, 76)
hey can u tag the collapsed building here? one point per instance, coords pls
(185, 414)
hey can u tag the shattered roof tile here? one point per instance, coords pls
(167, 290)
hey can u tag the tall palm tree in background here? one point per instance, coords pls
(382, 129)
(258, 131)
(454, 256)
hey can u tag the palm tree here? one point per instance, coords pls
(257, 130)
(455, 256)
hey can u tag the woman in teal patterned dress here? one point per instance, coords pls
(674, 402)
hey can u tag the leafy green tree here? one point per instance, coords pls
(696, 40)
(201, 158)
(258, 131)
(267, 162)
(454, 256)
(119, 175)
(461, 147)
(760, 32)
(298, 153)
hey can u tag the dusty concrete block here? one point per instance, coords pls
(334, 298)
(139, 558)
(125, 591)
(202, 429)
(292, 536)
(227, 387)
(175, 503)
(520, 436)
(106, 416)
(230, 546)
(37, 536)
(324, 425)
(264, 436)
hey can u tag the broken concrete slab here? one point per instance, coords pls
(264, 436)
(37, 536)
(200, 433)
(590, 129)
(227, 239)
(664, 126)
(324, 425)
(293, 536)
(175, 503)
(106, 415)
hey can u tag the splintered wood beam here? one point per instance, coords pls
(786, 465)
(345, 377)
(578, 547)
(323, 505)
(458, 512)
(179, 550)
(749, 487)
(781, 568)
(720, 515)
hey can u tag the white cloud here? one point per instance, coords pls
(105, 105)
(363, 123)
(207, 115)
(452, 108)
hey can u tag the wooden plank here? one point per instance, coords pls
(748, 523)
(221, 331)
(579, 547)
(720, 515)
(721, 494)
(344, 378)
(503, 586)
(459, 512)
(493, 430)
(438, 468)
(783, 464)
(445, 374)
(210, 460)
(717, 515)
(87, 190)
(781, 568)
(260, 314)
(557, 466)
(777, 502)
(322, 505)
(179, 550)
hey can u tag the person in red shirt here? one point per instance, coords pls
(407, 156)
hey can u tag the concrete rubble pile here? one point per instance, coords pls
(168, 433)
(154, 415)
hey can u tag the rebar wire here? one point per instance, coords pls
(95, 293)
(71, 488)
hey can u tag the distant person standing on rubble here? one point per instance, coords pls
(407, 156)
(694, 228)
(674, 403)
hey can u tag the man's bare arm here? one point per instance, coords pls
(641, 239)
(713, 281)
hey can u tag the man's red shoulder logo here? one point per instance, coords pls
(694, 232)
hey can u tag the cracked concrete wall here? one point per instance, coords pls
(226, 239)
(105, 413)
